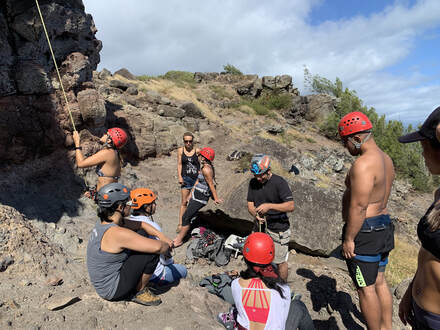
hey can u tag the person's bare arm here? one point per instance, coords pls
(179, 165)
(207, 173)
(150, 230)
(117, 239)
(361, 186)
(251, 208)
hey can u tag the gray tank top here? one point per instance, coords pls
(103, 267)
(202, 185)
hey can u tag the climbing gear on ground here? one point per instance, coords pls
(112, 193)
(118, 136)
(56, 65)
(260, 164)
(207, 244)
(235, 155)
(259, 248)
(208, 153)
(294, 169)
(234, 244)
(220, 285)
(141, 197)
(147, 298)
(354, 122)
(228, 319)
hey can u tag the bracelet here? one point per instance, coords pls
(78, 148)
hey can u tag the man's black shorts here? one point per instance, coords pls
(364, 273)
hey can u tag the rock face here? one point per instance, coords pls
(317, 215)
(32, 120)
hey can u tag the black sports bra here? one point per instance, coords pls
(430, 239)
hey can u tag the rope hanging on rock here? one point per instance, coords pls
(56, 66)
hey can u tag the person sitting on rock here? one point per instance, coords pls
(108, 161)
(187, 169)
(121, 262)
(262, 298)
(143, 207)
(203, 189)
(420, 306)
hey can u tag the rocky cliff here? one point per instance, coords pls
(33, 120)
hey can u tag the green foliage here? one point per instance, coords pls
(229, 68)
(259, 108)
(180, 77)
(276, 101)
(145, 77)
(407, 158)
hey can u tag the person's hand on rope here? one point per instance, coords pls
(76, 139)
(263, 208)
(261, 219)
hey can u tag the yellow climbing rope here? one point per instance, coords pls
(56, 66)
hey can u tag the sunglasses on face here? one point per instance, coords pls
(187, 141)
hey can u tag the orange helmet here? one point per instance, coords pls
(259, 248)
(141, 196)
(354, 122)
(208, 153)
(118, 136)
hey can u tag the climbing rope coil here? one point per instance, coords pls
(56, 66)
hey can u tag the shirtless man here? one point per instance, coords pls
(368, 234)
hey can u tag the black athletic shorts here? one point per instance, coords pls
(364, 273)
(138, 263)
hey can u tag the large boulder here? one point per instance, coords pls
(317, 215)
(283, 82)
(320, 106)
(26, 69)
(92, 108)
(126, 74)
(192, 110)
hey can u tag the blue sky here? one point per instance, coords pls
(388, 51)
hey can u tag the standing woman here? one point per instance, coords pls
(203, 189)
(187, 169)
(108, 161)
(420, 306)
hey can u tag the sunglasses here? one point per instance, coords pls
(187, 141)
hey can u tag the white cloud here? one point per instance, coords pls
(270, 38)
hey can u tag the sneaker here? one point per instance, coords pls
(227, 320)
(147, 298)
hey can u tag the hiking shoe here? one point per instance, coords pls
(147, 298)
(227, 320)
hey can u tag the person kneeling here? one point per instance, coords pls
(144, 206)
(121, 262)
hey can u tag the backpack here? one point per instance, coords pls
(208, 245)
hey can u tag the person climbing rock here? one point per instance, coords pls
(269, 199)
(121, 262)
(187, 169)
(368, 233)
(262, 298)
(203, 189)
(143, 208)
(420, 305)
(108, 161)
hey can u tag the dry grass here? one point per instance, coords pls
(402, 262)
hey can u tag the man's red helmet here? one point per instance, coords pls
(118, 136)
(259, 248)
(353, 123)
(208, 153)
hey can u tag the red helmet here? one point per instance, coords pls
(259, 248)
(208, 153)
(118, 136)
(354, 122)
(141, 196)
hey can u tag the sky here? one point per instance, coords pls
(387, 51)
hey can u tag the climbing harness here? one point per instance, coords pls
(55, 62)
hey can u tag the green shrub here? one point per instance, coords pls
(276, 101)
(180, 77)
(144, 77)
(220, 92)
(229, 68)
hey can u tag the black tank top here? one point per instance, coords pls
(190, 165)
